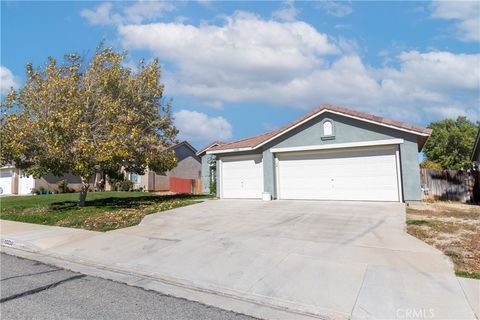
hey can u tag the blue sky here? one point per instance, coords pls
(236, 69)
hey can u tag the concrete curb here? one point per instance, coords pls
(260, 307)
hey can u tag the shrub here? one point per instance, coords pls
(126, 185)
(62, 187)
(213, 187)
(427, 164)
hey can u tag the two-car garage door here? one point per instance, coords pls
(362, 174)
(353, 174)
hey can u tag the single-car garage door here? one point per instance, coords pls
(6, 181)
(342, 174)
(242, 177)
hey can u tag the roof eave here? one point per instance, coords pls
(231, 150)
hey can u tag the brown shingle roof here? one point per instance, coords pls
(252, 142)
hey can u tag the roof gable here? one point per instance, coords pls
(259, 140)
(186, 144)
(210, 146)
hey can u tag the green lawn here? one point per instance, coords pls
(103, 211)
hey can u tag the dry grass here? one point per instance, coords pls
(451, 227)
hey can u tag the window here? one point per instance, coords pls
(327, 128)
(135, 178)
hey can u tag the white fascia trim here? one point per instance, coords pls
(345, 115)
(312, 117)
(340, 145)
(229, 150)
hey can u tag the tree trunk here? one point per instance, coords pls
(83, 192)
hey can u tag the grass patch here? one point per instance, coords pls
(466, 274)
(442, 210)
(417, 222)
(103, 211)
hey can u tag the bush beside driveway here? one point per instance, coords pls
(103, 211)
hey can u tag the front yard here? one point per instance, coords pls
(453, 228)
(103, 211)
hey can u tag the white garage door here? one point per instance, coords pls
(353, 174)
(25, 185)
(6, 177)
(242, 177)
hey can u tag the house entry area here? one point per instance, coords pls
(357, 174)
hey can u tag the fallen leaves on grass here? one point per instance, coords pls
(120, 218)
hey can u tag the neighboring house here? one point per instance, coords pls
(476, 150)
(208, 165)
(331, 153)
(188, 167)
(12, 181)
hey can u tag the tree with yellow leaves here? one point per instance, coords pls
(85, 118)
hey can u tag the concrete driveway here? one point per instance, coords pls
(303, 258)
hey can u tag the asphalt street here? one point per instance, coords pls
(32, 290)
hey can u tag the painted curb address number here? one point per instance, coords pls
(8, 242)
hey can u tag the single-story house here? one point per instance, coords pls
(476, 150)
(208, 165)
(331, 153)
(188, 167)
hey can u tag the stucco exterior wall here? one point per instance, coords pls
(206, 158)
(188, 166)
(346, 130)
(50, 182)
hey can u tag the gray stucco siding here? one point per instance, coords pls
(348, 130)
(188, 164)
(206, 158)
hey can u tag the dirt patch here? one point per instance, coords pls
(453, 228)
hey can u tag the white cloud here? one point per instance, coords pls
(288, 12)
(138, 12)
(250, 59)
(199, 129)
(335, 8)
(146, 10)
(101, 15)
(7, 80)
(246, 49)
(465, 13)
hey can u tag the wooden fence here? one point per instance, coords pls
(179, 185)
(451, 185)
